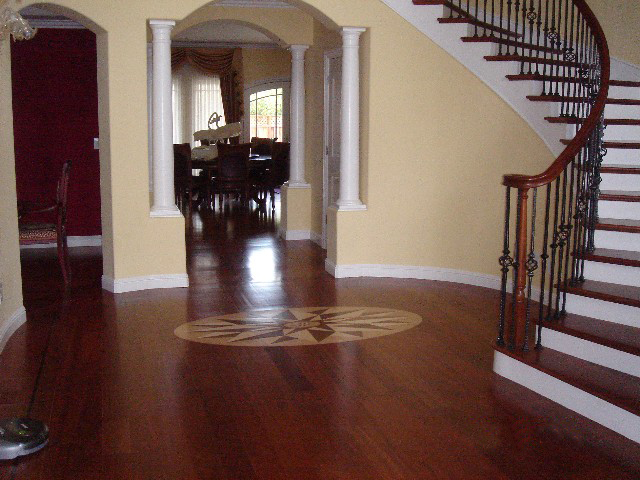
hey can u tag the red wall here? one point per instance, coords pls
(55, 118)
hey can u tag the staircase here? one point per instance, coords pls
(570, 306)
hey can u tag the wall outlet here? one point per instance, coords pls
(96, 144)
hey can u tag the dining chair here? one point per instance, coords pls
(233, 172)
(262, 146)
(187, 185)
(277, 171)
(54, 231)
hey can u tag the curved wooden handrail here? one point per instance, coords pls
(591, 123)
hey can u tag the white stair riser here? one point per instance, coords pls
(621, 156)
(602, 310)
(617, 240)
(619, 181)
(610, 273)
(622, 132)
(591, 352)
(622, 210)
(590, 406)
(613, 110)
(624, 92)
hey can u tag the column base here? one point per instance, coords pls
(291, 184)
(295, 214)
(165, 212)
(346, 206)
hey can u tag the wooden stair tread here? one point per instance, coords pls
(510, 42)
(610, 292)
(540, 78)
(617, 388)
(623, 83)
(612, 144)
(618, 225)
(607, 121)
(621, 169)
(560, 98)
(527, 59)
(620, 195)
(609, 334)
(623, 101)
(619, 257)
(480, 24)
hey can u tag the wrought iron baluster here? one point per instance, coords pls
(544, 257)
(545, 68)
(532, 266)
(554, 247)
(571, 224)
(501, 33)
(581, 206)
(515, 25)
(509, 3)
(563, 234)
(506, 261)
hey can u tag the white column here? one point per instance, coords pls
(296, 177)
(350, 122)
(150, 112)
(164, 203)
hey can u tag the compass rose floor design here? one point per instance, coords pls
(298, 326)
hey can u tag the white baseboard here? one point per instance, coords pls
(600, 411)
(591, 351)
(73, 241)
(295, 234)
(317, 239)
(132, 284)
(14, 322)
(415, 272)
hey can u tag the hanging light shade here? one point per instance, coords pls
(12, 23)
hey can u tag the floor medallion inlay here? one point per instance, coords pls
(298, 326)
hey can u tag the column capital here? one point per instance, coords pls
(161, 30)
(350, 35)
(298, 50)
(159, 24)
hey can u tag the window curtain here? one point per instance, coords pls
(215, 62)
(195, 96)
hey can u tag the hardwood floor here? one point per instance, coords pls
(126, 399)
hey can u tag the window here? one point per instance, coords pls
(265, 110)
(195, 96)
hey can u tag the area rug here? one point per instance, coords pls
(298, 326)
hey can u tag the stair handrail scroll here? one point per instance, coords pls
(568, 52)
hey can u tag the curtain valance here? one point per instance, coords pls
(211, 61)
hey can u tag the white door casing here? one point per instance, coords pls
(331, 150)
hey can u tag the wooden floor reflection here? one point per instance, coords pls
(126, 399)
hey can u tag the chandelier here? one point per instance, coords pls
(12, 23)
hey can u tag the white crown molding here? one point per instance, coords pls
(192, 44)
(252, 4)
(600, 411)
(133, 284)
(52, 22)
(14, 322)
(415, 272)
(73, 241)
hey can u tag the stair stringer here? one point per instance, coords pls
(493, 74)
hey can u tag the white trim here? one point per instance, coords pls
(53, 22)
(600, 411)
(207, 44)
(298, 185)
(591, 352)
(13, 323)
(295, 234)
(168, 212)
(356, 207)
(148, 282)
(415, 272)
(318, 239)
(73, 241)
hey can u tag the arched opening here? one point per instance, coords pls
(56, 99)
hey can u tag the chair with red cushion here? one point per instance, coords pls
(55, 231)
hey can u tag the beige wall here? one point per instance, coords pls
(620, 20)
(262, 64)
(9, 248)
